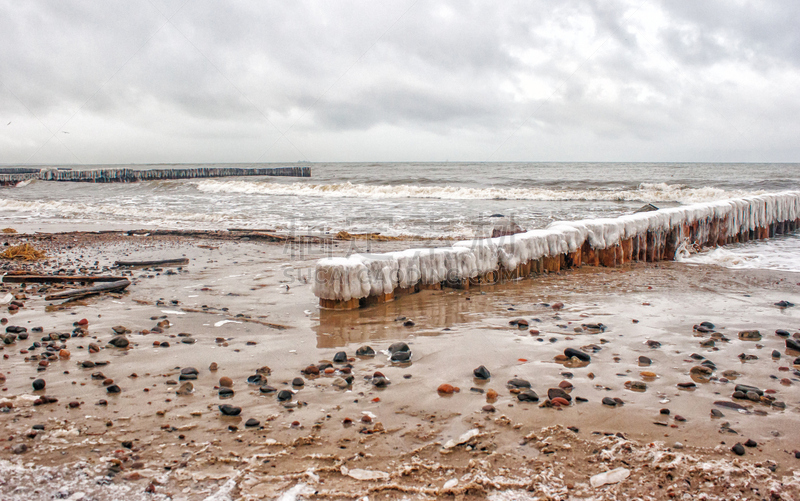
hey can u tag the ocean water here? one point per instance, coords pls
(453, 200)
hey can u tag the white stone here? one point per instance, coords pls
(610, 477)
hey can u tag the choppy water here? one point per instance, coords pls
(434, 199)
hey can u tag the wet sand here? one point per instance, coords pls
(233, 298)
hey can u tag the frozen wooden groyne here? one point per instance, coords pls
(365, 279)
(122, 175)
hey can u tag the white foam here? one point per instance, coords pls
(645, 192)
(782, 254)
(362, 275)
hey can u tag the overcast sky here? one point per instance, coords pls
(208, 81)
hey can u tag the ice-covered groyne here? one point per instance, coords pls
(364, 279)
(12, 176)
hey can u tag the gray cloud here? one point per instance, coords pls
(178, 81)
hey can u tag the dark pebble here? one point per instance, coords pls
(644, 361)
(189, 370)
(256, 379)
(750, 443)
(252, 422)
(267, 389)
(528, 396)
(409, 323)
(38, 384)
(380, 381)
(558, 393)
(396, 347)
(653, 344)
(707, 325)
(298, 381)
(518, 383)
(365, 351)
(225, 392)
(738, 450)
(340, 357)
(230, 410)
(747, 388)
(488, 408)
(793, 344)
(482, 373)
(776, 354)
(188, 377)
(119, 341)
(401, 356)
(113, 389)
(572, 352)
(609, 401)
(717, 413)
(664, 411)
(783, 333)
(285, 395)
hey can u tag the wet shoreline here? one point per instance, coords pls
(408, 421)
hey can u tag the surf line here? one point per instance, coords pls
(362, 280)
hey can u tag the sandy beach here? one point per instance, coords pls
(245, 309)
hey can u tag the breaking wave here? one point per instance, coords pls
(782, 254)
(94, 212)
(645, 192)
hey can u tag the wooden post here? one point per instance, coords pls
(608, 257)
(573, 259)
(627, 250)
(430, 287)
(552, 263)
(335, 304)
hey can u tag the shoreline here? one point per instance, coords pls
(454, 331)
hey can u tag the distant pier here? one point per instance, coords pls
(13, 176)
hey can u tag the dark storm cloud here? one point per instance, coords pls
(205, 81)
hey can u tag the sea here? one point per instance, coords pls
(439, 200)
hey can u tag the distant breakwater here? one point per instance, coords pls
(365, 279)
(13, 176)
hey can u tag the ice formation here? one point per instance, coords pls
(710, 224)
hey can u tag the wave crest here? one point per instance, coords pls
(645, 192)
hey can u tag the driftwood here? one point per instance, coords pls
(162, 262)
(239, 319)
(88, 291)
(49, 279)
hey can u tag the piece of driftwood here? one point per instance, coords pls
(88, 291)
(238, 319)
(161, 262)
(51, 279)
